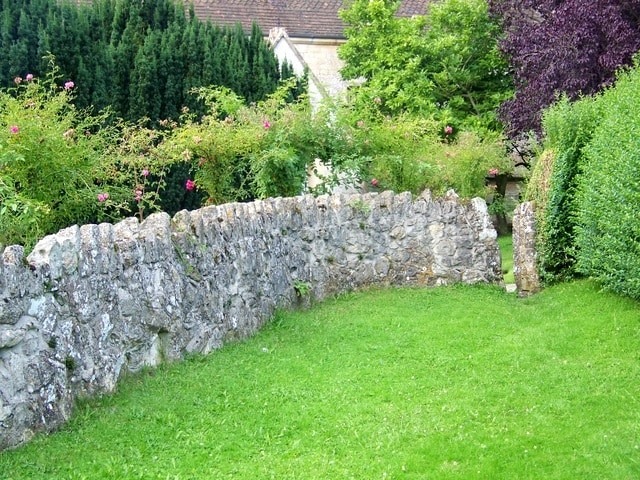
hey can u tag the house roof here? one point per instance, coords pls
(300, 18)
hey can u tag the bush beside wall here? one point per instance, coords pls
(608, 197)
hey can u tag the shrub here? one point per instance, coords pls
(239, 152)
(461, 164)
(61, 166)
(538, 187)
(608, 225)
(50, 161)
(467, 161)
(135, 171)
(217, 147)
(539, 182)
(568, 128)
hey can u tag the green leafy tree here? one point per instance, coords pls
(445, 63)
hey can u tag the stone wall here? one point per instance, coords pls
(93, 302)
(525, 268)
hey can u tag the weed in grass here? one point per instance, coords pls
(457, 382)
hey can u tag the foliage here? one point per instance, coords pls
(139, 58)
(537, 189)
(426, 161)
(293, 138)
(466, 162)
(568, 129)
(60, 165)
(539, 182)
(236, 152)
(49, 156)
(217, 148)
(135, 169)
(562, 46)
(608, 197)
(453, 382)
(239, 152)
(444, 64)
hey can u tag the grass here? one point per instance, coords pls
(450, 383)
(506, 250)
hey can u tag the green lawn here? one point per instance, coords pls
(506, 250)
(456, 382)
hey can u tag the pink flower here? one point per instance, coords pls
(17, 80)
(29, 77)
(14, 129)
(374, 182)
(69, 85)
(145, 173)
(448, 130)
(103, 197)
(361, 123)
(190, 185)
(267, 125)
(493, 171)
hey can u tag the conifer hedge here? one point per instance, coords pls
(139, 58)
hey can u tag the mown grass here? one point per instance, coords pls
(506, 250)
(455, 382)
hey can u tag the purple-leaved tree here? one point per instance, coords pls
(562, 46)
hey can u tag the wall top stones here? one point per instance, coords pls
(92, 302)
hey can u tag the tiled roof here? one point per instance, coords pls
(300, 18)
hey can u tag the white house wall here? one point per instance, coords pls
(320, 57)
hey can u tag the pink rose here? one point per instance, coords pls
(448, 130)
(190, 185)
(374, 182)
(14, 129)
(69, 85)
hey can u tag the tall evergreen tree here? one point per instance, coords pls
(172, 63)
(141, 58)
(144, 100)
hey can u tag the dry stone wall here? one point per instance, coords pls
(525, 268)
(93, 302)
